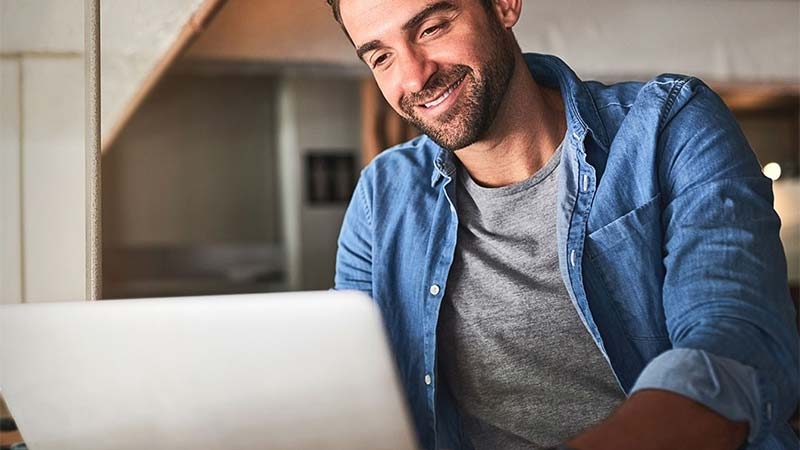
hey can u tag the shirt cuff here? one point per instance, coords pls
(724, 385)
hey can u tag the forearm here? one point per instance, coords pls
(655, 419)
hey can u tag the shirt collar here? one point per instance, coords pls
(581, 111)
(582, 115)
(444, 165)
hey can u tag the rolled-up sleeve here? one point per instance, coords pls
(729, 314)
(728, 387)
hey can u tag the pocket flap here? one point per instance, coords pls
(636, 221)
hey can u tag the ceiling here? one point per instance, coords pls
(723, 40)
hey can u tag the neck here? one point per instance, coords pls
(527, 130)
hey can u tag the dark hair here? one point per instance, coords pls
(334, 4)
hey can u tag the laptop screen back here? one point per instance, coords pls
(267, 371)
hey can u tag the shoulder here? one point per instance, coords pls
(628, 93)
(676, 125)
(656, 100)
(399, 181)
(407, 163)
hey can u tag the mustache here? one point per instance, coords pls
(434, 86)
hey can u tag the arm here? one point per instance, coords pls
(659, 419)
(732, 374)
(354, 255)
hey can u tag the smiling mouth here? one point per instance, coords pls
(438, 100)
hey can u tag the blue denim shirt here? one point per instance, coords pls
(668, 245)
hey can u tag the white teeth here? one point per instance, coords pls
(439, 100)
(442, 98)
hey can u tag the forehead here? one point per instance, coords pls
(370, 19)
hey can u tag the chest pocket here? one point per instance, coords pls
(625, 271)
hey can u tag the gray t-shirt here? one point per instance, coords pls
(519, 362)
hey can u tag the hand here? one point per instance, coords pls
(655, 419)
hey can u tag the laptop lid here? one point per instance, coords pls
(309, 370)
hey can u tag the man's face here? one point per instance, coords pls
(443, 65)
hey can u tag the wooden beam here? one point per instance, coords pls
(196, 24)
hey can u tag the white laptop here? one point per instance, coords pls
(308, 370)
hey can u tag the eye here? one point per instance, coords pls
(431, 30)
(380, 59)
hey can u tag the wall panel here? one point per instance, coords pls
(10, 219)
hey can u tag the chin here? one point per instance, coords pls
(469, 132)
(455, 143)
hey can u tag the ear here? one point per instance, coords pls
(508, 11)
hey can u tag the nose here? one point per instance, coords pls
(416, 70)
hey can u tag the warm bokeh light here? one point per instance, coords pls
(772, 171)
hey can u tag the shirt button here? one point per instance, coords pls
(434, 289)
(428, 379)
(572, 258)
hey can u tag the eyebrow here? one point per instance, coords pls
(368, 47)
(428, 11)
(409, 25)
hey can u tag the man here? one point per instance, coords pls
(563, 263)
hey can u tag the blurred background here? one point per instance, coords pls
(214, 176)
(233, 130)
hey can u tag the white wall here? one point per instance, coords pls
(54, 179)
(723, 40)
(43, 26)
(42, 42)
(10, 220)
(319, 114)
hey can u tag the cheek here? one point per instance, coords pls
(390, 90)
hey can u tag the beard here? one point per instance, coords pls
(482, 93)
